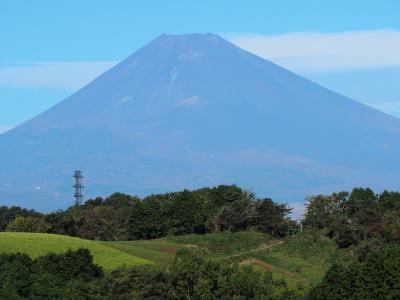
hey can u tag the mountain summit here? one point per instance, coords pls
(193, 110)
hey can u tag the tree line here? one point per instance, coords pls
(376, 277)
(361, 221)
(125, 217)
(367, 226)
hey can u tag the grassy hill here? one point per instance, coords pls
(39, 244)
(300, 260)
(216, 245)
(160, 251)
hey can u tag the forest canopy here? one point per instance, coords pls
(124, 217)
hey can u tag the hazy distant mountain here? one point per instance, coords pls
(195, 110)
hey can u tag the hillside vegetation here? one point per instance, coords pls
(301, 260)
(348, 248)
(224, 243)
(213, 245)
(122, 217)
(40, 244)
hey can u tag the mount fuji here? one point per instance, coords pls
(188, 111)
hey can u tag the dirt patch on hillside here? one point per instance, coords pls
(170, 249)
(253, 261)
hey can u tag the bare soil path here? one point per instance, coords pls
(261, 248)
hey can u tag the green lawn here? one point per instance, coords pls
(39, 244)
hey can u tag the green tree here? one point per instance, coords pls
(234, 216)
(28, 224)
(270, 217)
(149, 219)
(322, 211)
(389, 200)
(54, 276)
(378, 277)
(15, 275)
(104, 223)
(363, 205)
(336, 285)
(144, 282)
(8, 214)
(187, 213)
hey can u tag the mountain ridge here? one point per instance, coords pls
(195, 110)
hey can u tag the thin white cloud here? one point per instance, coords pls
(5, 128)
(314, 52)
(390, 107)
(300, 52)
(64, 75)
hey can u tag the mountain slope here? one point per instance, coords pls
(195, 110)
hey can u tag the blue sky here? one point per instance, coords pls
(49, 49)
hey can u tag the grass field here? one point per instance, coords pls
(224, 244)
(160, 251)
(301, 260)
(39, 244)
(216, 245)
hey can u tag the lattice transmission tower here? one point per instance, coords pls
(78, 187)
